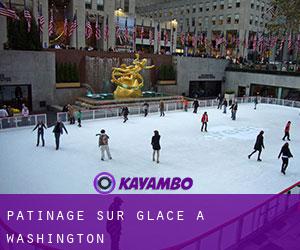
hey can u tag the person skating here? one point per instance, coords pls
(287, 131)
(220, 101)
(204, 121)
(58, 131)
(255, 102)
(259, 145)
(185, 105)
(225, 104)
(125, 113)
(71, 113)
(155, 142)
(234, 108)
(40, 132)
(286, 154)
(162, 108)
(195, 106)
(146, 108)
(103, 144)
(79, 117)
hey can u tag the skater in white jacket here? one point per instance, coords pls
(103, 144)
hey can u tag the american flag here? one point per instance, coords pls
(255, 42)
(142, 32)
(97, 30)
(118, 31)
(4, 11)
(88, 28)
(182, 38)
(166, 36)
(51, 23)
(261, 42)
(220, 40)
(126, 34)
(151, 34)
(65, 26)
(290, 44)
(194, 39)
(106, 30)
(282, 43)
(273, 42)
(41, 19)
(27, 17)
(134, 35)
(158, 35)
(74, 25)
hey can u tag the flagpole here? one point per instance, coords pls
(76, 30)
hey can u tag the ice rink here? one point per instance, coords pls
(217, 160)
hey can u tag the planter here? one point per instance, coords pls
(229, 97)
(166, 82)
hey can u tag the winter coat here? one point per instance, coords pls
(204, 118)
(195, 104)
(103, 139)
(25, 112)
(146, 106)
(225, 103)
(40, 127)
(287, 128)
(285, 152)
(125, 111)
(78, 115)
(155, 142)
(59, 127)
(259, 144)
(162, 106)
(3, 113)
(234, 107)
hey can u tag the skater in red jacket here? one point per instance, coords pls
(287, 131)
(204, 121)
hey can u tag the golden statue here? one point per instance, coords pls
(128, 79)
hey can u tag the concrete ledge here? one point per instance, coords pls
(67, 85)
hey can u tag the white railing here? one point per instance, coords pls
(20, 121)
(237, 230)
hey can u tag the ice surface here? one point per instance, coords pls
(217, 161)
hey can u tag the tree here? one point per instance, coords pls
(285, 16)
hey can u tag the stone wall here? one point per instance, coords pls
(31, 68)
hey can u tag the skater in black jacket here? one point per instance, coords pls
(220, 101)
(58, 130)
(234, 108)
(125, 113)
(286, 154)
(195, 106)
(225, 104)
(259, 145)
(40, 132)
(156, 145)
(146, 108)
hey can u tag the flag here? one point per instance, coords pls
(27, 17)
(220, 40)
(118, 31)
(282, 43)
(134, 35)
(97, 30)
(4, 11)
(41, 19)
(166, 36)
(142, 32)
(255, 42)
(158, 35)
(298, 41)
(51, 23)
(106, 30)
(273, 41)
(73, 26)
(261, 43)
(65, 25)
(182, 38)
(194, 39)
(290, 44)
(88, 28)
(126, 34)
(151, 34)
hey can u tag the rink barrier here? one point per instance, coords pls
(21, 121)
(115, 111)
(244, 225)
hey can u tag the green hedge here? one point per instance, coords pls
(67, 72)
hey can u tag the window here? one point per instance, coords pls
(238, 3)
(256, 21)
(213, 20)
(222, 5)
(194, 8)
(188, 10)
(100, 4)
(88, 4)
(201, 8)
(221, 20)
(229, 19)
(126, 6)
(236, 18)
(182, 11)
(193, 21)
(262, 7)
(261, 24)
(229, 4)
(118, 4)
(215, 5)
(187, 22)
(257, 5)
(207, 6)
(251, 20)
(252, 4)
(200, 21)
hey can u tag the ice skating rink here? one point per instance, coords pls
(217, 161)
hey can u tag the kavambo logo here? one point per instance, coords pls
(105, 183)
